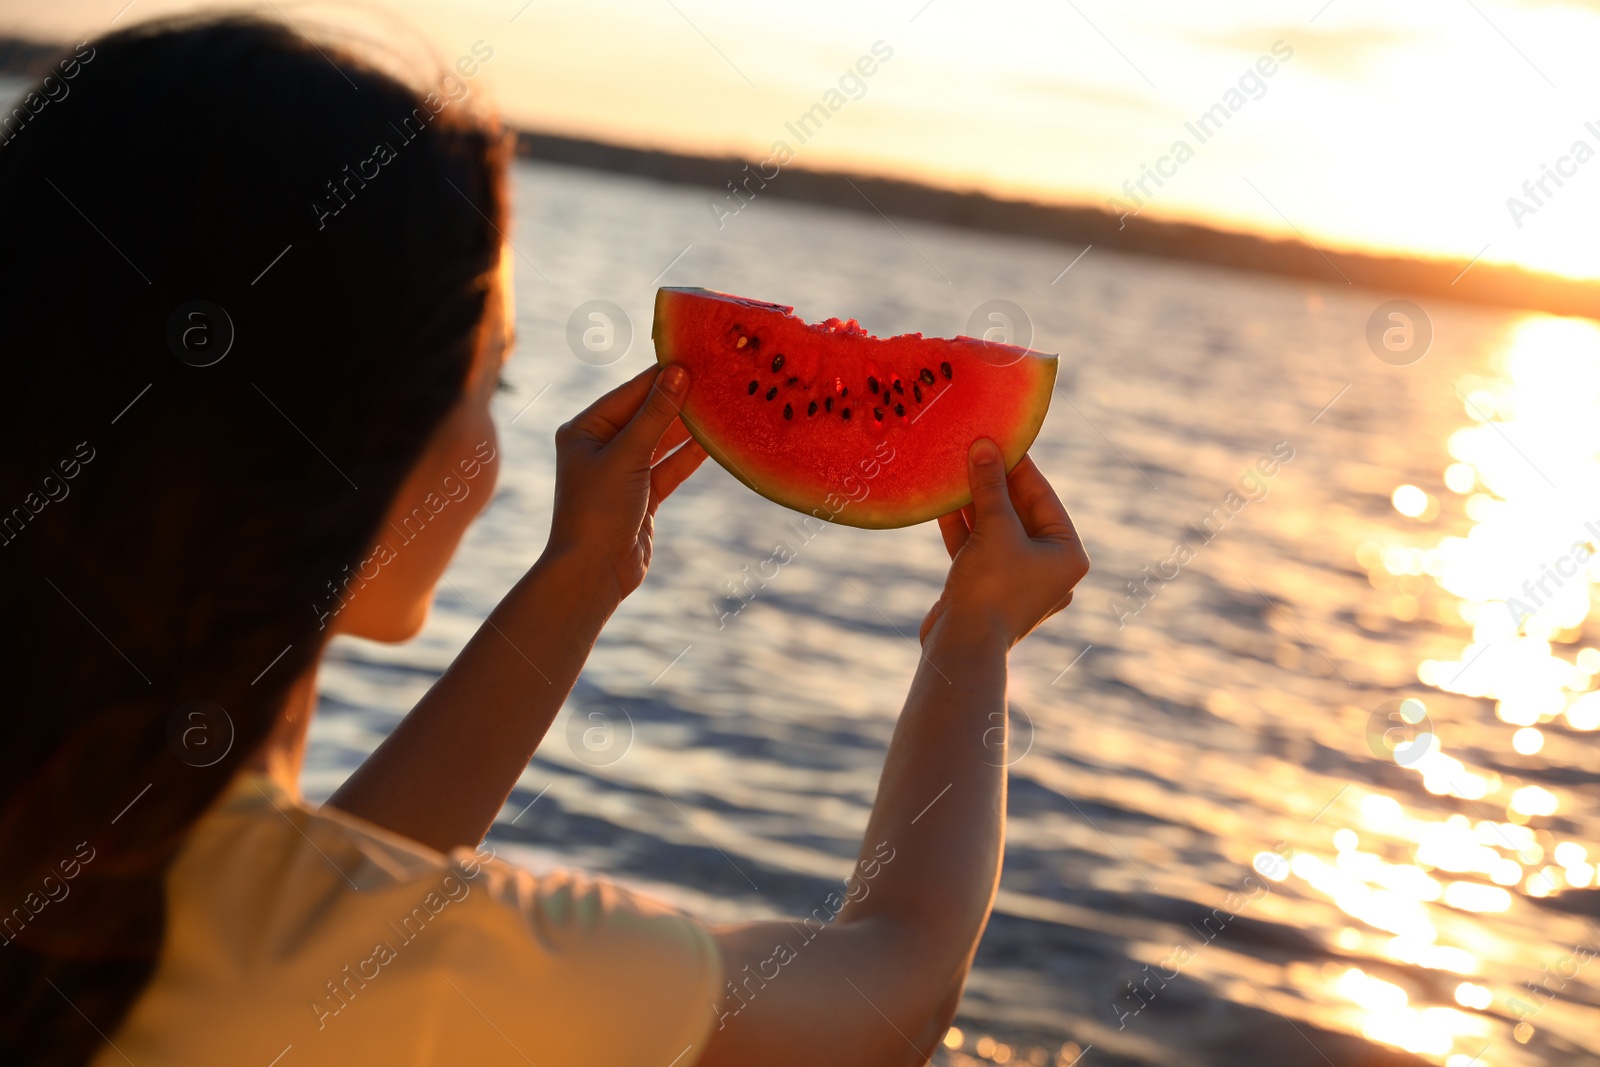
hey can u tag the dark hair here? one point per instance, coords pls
(166, 528)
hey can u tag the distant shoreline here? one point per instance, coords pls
(1450, 279)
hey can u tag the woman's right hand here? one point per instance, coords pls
(1016, 556)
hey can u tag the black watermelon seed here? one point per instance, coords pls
(899, 388)
(777, 363)
(916, 391)
(772, 392)
(872, 384)
(788, 412)
(844, 392)
(945, 367)
(899, 409)
(926, 375)
(812, 410)
(753, 387)
(755, 343)
(828, 404)
(792, 380)
(877, 413)
(845, 414)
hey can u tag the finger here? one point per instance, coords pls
(659, 410)
(968, 517)
(673, 472)
(1047, 522)
(953, 528)
(991, 502)
(929, 619)
(677, 433)
(606, 417)
(1038, 506)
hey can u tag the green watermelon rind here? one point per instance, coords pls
(862, 515)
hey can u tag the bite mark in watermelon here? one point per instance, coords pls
(828, 420)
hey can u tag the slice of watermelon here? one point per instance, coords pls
(828, 420)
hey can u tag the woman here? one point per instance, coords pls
(255, 300)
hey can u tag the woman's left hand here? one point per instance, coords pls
(615, 464)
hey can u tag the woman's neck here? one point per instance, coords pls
(281, 755)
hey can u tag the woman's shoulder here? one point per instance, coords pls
(260, 840)
(259, 823)
(342, 936)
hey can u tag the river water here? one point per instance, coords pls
(1318, 796)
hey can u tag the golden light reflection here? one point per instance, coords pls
(1522, 580)
(1475, 896)
(1371, 993)
(1420, 953)
(1412, 502)
(1391, 1019)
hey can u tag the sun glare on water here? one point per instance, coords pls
(1526, 473)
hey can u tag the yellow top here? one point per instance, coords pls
(299, 936)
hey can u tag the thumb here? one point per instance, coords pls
(991, 501)
(660, 407)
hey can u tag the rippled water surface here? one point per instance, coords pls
(1318, 798)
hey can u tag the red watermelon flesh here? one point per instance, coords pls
(828, 420)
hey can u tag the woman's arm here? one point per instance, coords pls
(880, 983)
(444, 773)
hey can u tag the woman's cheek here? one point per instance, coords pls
(489, 477)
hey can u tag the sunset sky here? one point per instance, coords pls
(1402, 127)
